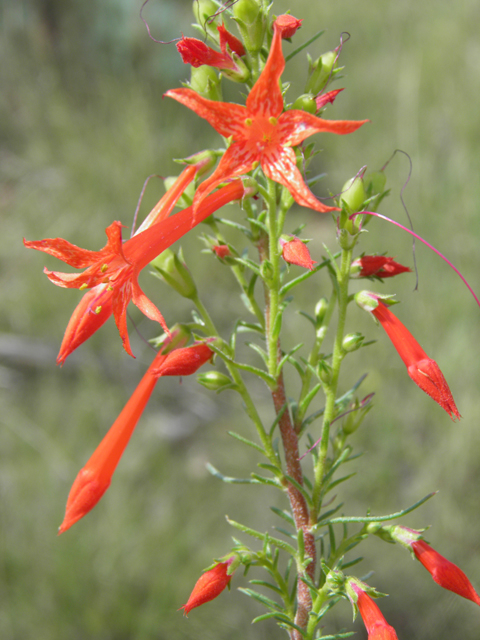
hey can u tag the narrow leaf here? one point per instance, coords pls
(285, 515)
(245, 441)
(211, 469)
(304, 45)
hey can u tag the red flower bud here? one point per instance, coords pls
(287, 25)
(377, 267)
(323, 99)
(444, 572)
(295, 252)
(184, 362)
(221, 250)
(208, 586)
(197, 53)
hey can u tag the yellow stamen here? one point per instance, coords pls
(98, 309)
(109, 288)
(83, 286)
(255, 164)
(104, 268)
(248, 122)
(273, 120)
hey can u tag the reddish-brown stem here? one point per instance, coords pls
(297, 501)
(294, 470)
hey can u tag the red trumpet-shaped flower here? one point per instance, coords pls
(197, 53)
(288, 25)
(118, 264)
(96, 305)
(376, 625)
(208, 586)
(296, 252)
(444, 572)
(376, 267)
(95, 477)
(261, 133)
(424, 371)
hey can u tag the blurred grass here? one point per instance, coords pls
(82, 123)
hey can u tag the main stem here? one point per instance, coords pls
(288, 434)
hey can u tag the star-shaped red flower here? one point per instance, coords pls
(115, 268)
(261, 132)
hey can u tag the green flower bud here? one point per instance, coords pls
(352, 342)
(214, 380)
(353, 194)
(320, 310)
(203, 10)
(266, 270)
(335, 581)
(205, 81)
(175, 273)
(247, 11)
(321, 70)
(324, 371)
(251, 22)
(306, 102)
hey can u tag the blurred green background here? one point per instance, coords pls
(82, 124)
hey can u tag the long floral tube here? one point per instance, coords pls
(424, 371)
(118, 264)
(95, 477)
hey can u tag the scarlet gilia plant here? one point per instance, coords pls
(299, 575)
